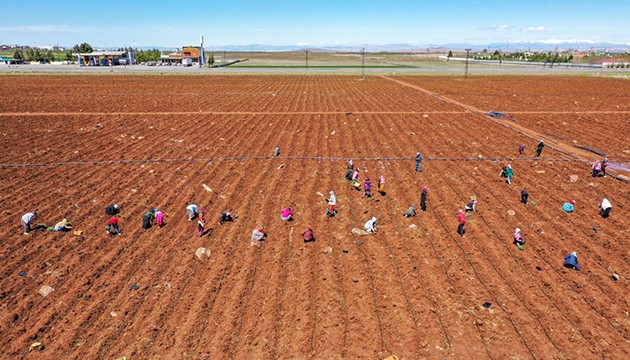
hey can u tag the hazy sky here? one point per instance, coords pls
(172, 23)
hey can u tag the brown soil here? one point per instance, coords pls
(416, 292)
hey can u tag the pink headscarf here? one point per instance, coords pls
(517, 233)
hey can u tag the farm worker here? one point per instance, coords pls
(191, 210)
(201, 221)
(597, 167)
(521, 148)
(63, 225)
(518, 239)
(461, 219)
(508, 174)
(27, 220)
(286, 215)
(350, 165)
(367, 187)
(226, 216)
(524, 196)
(370, 225)
(355, 175)
(418, 162)
(410, 212)
(606, 207)
(568, 207)
(471, 206)
(604, 164)
(112, 209)
(112, 226)
(571, 261)
(331, 209)
(159, 218)
(423, 198)
(276, 151)
(540, 147)
(258, 234)
(147, 219)
(355, 179)
(381, 184)
(349, 174)
(308, 235)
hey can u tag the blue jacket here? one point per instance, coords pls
(567, 207)
(571, 261)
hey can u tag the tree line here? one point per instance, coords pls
(31, 54)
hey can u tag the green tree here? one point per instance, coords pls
(17, 55)
(38, 55)
(450, 54)
(82, 48)
(69, 56)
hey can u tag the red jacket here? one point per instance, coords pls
(113, 221)
(461, 218)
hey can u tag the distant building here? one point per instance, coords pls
(187, 56)
(615, 63)
(106, 58)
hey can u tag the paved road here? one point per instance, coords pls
(422, 68)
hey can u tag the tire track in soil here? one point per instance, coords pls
(448, 277)
(90, 315)
(48, 259)
(493, 294)
(327, 343)
(325, 337)
(308, 270)
(407, 252)
(211, 312)
(164, 316)
(561, 313)
(170, 254)
(558, 146)
(602, 266)
(369, 336)
(487, 339)
(200, 304)
(393, 258)
(255, 342)
(251, 279)
(193, 280)
(593, 301)
(310, 291)
(496, 260)
(292, 259)
(386, 317)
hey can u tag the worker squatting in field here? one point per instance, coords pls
(193, 210)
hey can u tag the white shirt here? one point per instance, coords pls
(606, 204)
(192, 207)
(28, 217)
(370, 226)
(332, 200)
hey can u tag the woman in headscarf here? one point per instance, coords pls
(518, 239)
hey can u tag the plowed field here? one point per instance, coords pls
(71, 145)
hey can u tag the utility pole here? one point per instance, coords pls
(466, 72)
(201, 52)
(363, 64)
(306, 53)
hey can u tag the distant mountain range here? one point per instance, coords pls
(434, 48)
